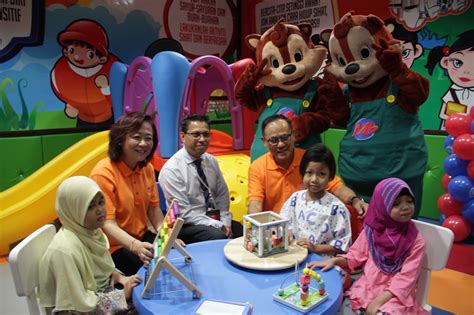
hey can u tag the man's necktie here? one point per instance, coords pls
(203, 181)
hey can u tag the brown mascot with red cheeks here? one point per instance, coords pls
(384, 136)
(282, 82)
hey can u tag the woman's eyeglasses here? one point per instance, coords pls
(277, 139)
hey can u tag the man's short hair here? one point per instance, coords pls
(273, 118)
(188, 119)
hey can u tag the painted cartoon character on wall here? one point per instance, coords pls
(80, 78)
(384, 136)
(411, 48)
(458, 61)
(281, 83)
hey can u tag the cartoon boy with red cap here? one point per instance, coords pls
(80, 78)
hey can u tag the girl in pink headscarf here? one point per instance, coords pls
(390, 250)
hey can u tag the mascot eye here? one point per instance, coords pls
(274, 62)
(341, 61)
(298, 55)
(365, 53)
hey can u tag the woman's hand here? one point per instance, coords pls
(144, 251)
(180, 242)
(129, 283)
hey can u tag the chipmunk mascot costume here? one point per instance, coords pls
(282, 82)
(384, 136)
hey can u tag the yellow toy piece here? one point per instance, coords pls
(235, 169)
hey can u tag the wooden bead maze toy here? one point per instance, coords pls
(165, 239)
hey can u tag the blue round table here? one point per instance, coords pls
(219, 279)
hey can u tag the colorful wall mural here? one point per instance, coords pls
(58, 78)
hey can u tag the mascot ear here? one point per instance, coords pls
(324, 36)
(306, 29)
(252, 41)
(374, 24)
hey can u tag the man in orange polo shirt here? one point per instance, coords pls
(275, 175)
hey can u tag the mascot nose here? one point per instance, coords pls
(352, 68)
(289, 69)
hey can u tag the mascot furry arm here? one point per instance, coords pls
(286, 62)
(355, 41)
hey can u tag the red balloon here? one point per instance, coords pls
(458, 124)
(459, 225)
(463, 146)
(448, 205)
(470, 169)
(445, 181)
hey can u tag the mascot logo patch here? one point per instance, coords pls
(364, 129)
(287, 112)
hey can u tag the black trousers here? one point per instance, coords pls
(126, 261)
(199, 233)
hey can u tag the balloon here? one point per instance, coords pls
(470, 169)
(455, 166)
(458, 124)
(448, 205)
(445, 181)
(463, 147)
(448, 144)
(442, 217)
(460, 188)
(459, 225)
(468, 211)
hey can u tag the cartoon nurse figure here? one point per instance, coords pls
(458, 60)
(80, 78)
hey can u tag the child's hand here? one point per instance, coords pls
(101, 81)
(129, 283)
(324, 265)
(305, 243)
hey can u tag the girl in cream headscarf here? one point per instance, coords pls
(76, 272)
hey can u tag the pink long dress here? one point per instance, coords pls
(373, 282)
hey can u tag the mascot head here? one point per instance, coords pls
(353, 56)
(291, 56)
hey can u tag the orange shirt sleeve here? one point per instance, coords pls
(108, 188)
(256, 187)
(332, 185)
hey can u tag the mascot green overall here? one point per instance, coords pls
(282, 82)
(384, 136)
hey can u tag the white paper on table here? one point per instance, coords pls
(218, 308)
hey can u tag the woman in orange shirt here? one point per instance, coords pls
(128, 181)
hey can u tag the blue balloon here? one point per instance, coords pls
(468, 210)
(448, 144)
(461, 188)
(442, 217)
(455, 166)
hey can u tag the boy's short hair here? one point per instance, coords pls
(274, 117)
(318, 153)
(188, 119)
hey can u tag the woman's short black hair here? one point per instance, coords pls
(318, 153)
(127, 124)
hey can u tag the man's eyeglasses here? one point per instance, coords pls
(277, 139)
(197, 135)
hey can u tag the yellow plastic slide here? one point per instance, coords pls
(30, 204)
